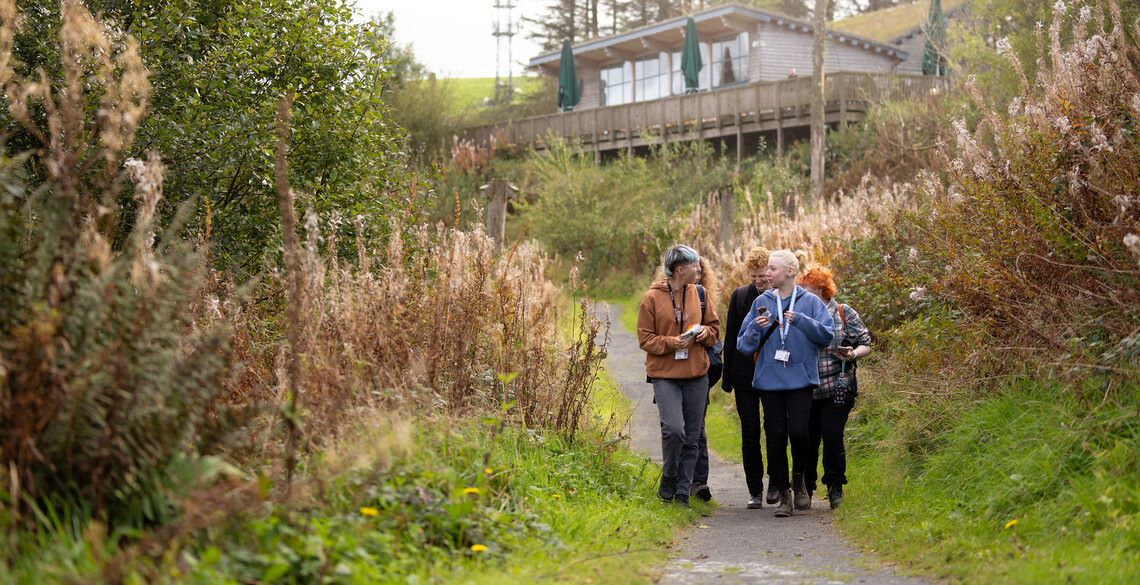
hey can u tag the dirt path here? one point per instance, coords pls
(735, 544)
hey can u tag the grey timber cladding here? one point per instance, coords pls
(589, 75)
(912, 45)
(782, 50)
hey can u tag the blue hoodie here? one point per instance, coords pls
(811, 330)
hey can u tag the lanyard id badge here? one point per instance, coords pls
(679, 317)
(782, 354)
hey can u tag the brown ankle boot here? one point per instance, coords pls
(784, 509)
(803, 500)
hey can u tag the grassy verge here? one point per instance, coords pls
(454, 500)
(1029, 485)
(722, 425)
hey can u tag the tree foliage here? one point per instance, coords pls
(217, 68)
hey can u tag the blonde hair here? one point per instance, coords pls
(788, 258)
(757, 258)
(804, 259)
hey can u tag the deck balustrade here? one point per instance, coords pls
(740, 109)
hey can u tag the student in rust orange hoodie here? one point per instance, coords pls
(677, 365)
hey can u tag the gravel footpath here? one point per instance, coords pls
(735, 544)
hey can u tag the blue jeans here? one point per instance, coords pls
(681, 404)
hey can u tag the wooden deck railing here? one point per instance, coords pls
(759, 106)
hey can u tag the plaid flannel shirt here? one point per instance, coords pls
(853, 334)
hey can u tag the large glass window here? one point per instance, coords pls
(704, 76)
(730, 60)
(617, 86)
(651, 78)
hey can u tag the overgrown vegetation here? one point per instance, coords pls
(155, 408)
(990, 436)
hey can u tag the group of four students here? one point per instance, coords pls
(789, 350)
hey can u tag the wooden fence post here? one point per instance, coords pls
(498, 192)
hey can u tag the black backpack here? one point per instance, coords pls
(716, 364)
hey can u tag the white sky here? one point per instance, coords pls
(453, 37)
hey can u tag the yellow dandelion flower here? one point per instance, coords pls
(488, 470)
(478, 548)
(1011, 523)
(470, 491)
(368, 511)
(557, 496)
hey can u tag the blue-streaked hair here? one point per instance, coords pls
(677, 256)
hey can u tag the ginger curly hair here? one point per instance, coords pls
(757, 258)
(819, 277)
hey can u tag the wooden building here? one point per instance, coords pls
(755, 84)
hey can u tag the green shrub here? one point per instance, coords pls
(108, 355)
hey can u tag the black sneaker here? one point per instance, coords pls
(756, 502)
(701, 492)
(773, 495)
(835, 495)
(681, 500)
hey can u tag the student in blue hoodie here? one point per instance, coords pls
(786, 371)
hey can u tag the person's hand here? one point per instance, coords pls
(790, 316)
(675, 343)
(704, 335)
(762, 320)
(844, 352)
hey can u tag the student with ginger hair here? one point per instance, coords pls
(834, 398)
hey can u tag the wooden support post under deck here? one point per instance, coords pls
(843, 102)
(629, 128)
(739, 141)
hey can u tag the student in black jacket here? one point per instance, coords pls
(738, 370)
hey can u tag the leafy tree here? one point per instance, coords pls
(217, 68)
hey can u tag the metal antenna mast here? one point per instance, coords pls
(504, 29)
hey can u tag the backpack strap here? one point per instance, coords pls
(701, 296)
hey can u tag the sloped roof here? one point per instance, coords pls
(893, 24)
(713, 22)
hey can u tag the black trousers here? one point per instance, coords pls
(827, 424)
(786, 415)
(748, 407)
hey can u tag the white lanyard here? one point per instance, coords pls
(780, 315)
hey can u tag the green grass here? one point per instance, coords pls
(393, 506)
(722, 425)
(1029, 485)
(885, 25)
(544, 509)
(471, 91)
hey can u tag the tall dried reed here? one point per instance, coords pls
(440, 324)
(822, 230)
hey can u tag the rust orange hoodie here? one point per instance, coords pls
(655, 322)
